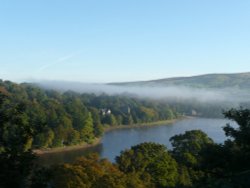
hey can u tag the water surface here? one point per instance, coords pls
(116, 140)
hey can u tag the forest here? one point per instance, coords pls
(58, 119)
(63, 119)
(36, 118)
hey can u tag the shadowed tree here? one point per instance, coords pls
(186, 147)
(149, 160)
(16, 158)
(187, 150)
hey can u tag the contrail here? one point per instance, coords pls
(62, 59)
(58, 61)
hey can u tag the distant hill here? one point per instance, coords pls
(237, 80)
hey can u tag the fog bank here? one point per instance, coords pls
(231, 95)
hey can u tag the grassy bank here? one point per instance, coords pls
(95, 142)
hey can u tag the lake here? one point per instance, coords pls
(116, 140)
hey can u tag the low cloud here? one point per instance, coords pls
(231, 95)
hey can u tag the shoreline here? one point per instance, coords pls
(40, 152)
(140, 125)
(97, 141)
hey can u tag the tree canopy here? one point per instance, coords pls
(34, 118)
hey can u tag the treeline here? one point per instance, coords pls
(206, 109)
(61, 119)
(195, 161)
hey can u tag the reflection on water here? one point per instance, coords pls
(115, 141)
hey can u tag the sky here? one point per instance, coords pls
(122, 40)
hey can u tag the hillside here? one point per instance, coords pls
(237, 80)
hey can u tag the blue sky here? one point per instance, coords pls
(122, 40)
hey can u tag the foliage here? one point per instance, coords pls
(187, 146)
(88, 172)
(60, 119)
(34, 118)
(228, 163)
(194, 161)
(16, 158)
(149, 160)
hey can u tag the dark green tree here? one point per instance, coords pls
(98, 127)
(149, 160)
(238, 146)
(187, 150)
(187, 146)
(227, 165)
(16, 158)
(87, 132)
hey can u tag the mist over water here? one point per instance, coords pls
(232, 95)
(115, 141)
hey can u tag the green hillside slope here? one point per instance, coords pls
(239, 80)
